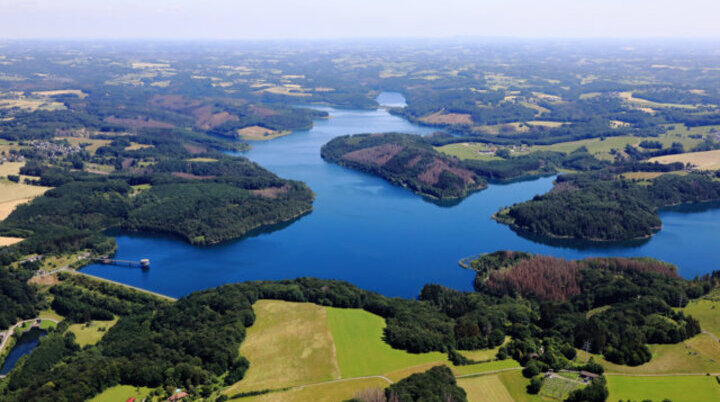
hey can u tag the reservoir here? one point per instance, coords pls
(27, 342)
(381, 237)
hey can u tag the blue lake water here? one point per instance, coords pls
(378, 236)
(27, 342)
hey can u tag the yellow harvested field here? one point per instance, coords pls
(328, 392)
(259, 133)
(8, 241)
(77, 92)
(485, 388)
(8, 168)
(134, 146)
(287, 91)
(10, 191)
(545, 123)
(700, 354)
(708, 160)
(289, 344)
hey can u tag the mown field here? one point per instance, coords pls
(700, 354)
(91, 332)
(676, 389)
(330, 352)
(708, 160)
(707, 311)
(121, 393)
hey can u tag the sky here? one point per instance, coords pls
(281, 19)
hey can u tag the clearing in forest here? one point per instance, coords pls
(91, 332)
(259, 133)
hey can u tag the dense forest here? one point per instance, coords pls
(203, 202)
(601, 207)
(155, 345)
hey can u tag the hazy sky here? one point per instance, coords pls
(252, 19)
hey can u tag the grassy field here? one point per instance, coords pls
(298, 344)
(708, 160)
(121, 393)
(468, 150)
(9, 241)
(677, 389)
(707, 311)
(484, 354)
(487, 388)
(134, 146)
(700, 354)
(92, 332)
(484, 367)
(257, 133)
(360, 348)
(289, 344)
(515, 384)
(328, 392)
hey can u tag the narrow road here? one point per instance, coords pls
(710, 334)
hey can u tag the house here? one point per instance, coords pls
(130, 400)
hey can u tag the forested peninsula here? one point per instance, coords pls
(411, 161)
(602, 207)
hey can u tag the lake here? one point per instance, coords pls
(378, 236)
(27, 342)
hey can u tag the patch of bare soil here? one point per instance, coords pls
(271, 192)
(194, 149)
(191, 176)
(448, 118)
(431, 175)
(377, 156)
(138, 123)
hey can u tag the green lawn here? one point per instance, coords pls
(468, 150)
(360, 348)
(677, 389)
(700, 354)
(485, 388)
(91, 332)
(121, 393)
(484, 367)
(515, 383)
(707, 311)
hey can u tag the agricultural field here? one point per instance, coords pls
(289, 344)
(516, 384)
(120, 393)
(676, 389)
(483, 355)
(707, 311)
(360, 348)
(467, 150)
(700, 354)
(91, 332)
(258, 133)
(327, 392)
(13, 194)
(308, 348)
(708, 160)
(642, 104)
(485, 388)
